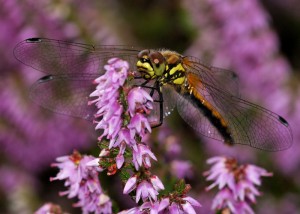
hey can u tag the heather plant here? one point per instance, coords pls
(256, 39)
(122, 117)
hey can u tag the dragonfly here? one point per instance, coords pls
(206, 97)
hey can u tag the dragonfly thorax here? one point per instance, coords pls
(166, 66)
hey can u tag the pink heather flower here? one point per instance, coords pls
(237, 184)
(141, 156)
(118, 69)
(111, 125)
(155, 207)
(130, 184)
(186, 205)
(139, 101)
(181, 169)
(49, 208)
(225, 200)
(107, 95)
(140, 124)
(145, 189)
(125, 135)
(116, 72)
(111, 113)
(126, 129)
(156, 182)
(120, 157)
(173, 146)
(81, 177)
(219, 173)
(134, 210)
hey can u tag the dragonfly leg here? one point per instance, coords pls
(161, 110)
(154, 88)
(160, 101)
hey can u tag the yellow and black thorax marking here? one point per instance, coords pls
(165, 66)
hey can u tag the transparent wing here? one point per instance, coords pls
(69, 95)
(59, 57)
(71, 68)
(226, 80)
(249, 124)
(170, 100)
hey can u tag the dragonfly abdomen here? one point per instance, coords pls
(212, 114)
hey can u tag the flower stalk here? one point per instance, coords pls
(123, 117)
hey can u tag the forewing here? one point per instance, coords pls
(60, 57)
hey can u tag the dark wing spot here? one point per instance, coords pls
(32, 40)
(283, 121)
(45, 78)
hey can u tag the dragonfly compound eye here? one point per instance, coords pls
(158, 63)
(143, 55)
(144, 65)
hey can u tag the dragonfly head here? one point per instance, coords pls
(151, 64)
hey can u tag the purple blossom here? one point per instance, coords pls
(120, 157)
(225, 200)
(126, 136)
(110, 109)
(130, 184)
(30, 137)
(186, 205)
(183, 205)
(81, 178)
(140, 124)
(107, 95)
(134, 210)
(139, 101)
(156, 182)
(173, 147)
(141, 156)
(123, 133)
(155, 207)
(111, 113)
(81, 172)
(237, 184)
(49, 208)
(181, 169)
(147, 190)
